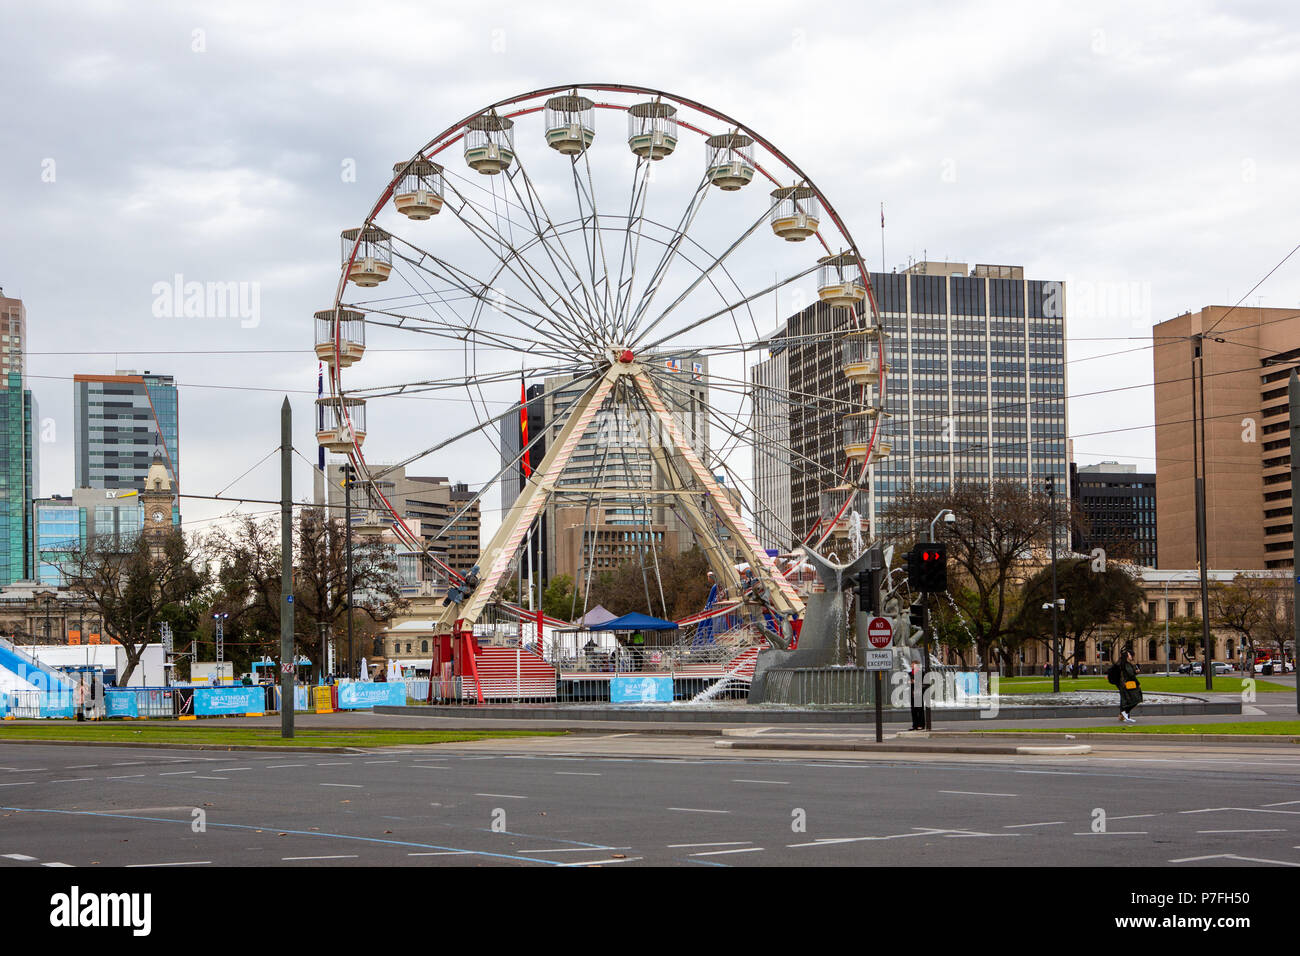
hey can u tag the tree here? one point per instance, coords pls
(249, 575)
(137, 583)
(1244, 607)
(995, 533)
(684, 578)
(1278, 629)
(1093, 599)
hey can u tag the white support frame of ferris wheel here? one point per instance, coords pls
(495, 560)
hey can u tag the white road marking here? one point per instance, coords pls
(444, 853)
(578, 849)
(1232, 856)
(18, 856)
(341, 856)
(333, 763)
(382, 761)
(976, 793)
(1049, 823)
(82, 766)
(574, 773)
(775, 783)
(209, 778)
(426, 766)
(696, 810)
(176, 773)
(602, 862)
(1114, 833)
(230, 769)
(25, 783)
(73, 780)
(747, 849)
(1284, 803)
(503, 796)
(129, 776)
(129, 763)
(133, 866)
(1134, 816)
(690, 846)
(57, 864)
(612, 736)
(355, 785)
(1237, 809)
(277, 766)
(31, 770)
(1241, 831)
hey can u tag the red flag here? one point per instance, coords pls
(523, 426)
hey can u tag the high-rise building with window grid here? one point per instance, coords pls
(120, 421)
(975, 388)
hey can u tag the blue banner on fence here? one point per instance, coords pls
(58, 703)
(364, 694)
(209, 701)
(121, 703)
(4, 704)
(641, 690)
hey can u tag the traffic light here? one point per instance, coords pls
(927, 567)
(865, 582)
(916, 616)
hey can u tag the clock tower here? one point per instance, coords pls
(156, 499)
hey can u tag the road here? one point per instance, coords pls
(632, 800)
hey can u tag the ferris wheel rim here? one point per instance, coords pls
(455, 132)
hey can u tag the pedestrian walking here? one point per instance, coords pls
(79, 700)
(1123, 674)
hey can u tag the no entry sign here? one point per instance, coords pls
(880, 633)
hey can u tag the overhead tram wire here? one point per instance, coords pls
(1270, 272)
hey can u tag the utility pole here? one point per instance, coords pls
(288, 660)
(347, 544)
(1293, 396)
(1056, 641)
(1198, 471)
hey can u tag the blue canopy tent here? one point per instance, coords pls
(635, 622)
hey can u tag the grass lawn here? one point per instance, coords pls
(1269, 727)
(243, 736)
(1155, 683)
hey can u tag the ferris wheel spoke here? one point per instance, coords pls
(478, 290)
(725, 310)
(706, 272)
(631, 241)
(475, 337)
(537, 214)
(669, 254)
(454, 382)
(527, 274)
(475, 429)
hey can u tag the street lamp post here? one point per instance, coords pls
(347, 533)
(1056, 641)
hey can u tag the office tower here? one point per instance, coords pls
(975, 388)
(432, 502)
(1248, 355)
(13, 336)
(773, 524)
(120, 422)
(19, 471)
(58, 535)
(1118, 505)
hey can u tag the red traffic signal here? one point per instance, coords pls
(927, 567)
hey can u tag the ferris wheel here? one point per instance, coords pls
(616, 261)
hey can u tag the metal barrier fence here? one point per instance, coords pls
(25, 703)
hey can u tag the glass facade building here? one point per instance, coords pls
(59, 533)
(18, 478)
(120, 421)
(1118, 505)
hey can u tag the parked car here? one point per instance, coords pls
(1197, 668)
(1274, 667)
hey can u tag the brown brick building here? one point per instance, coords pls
(1248, 354)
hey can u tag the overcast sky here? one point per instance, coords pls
(1143, 153)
